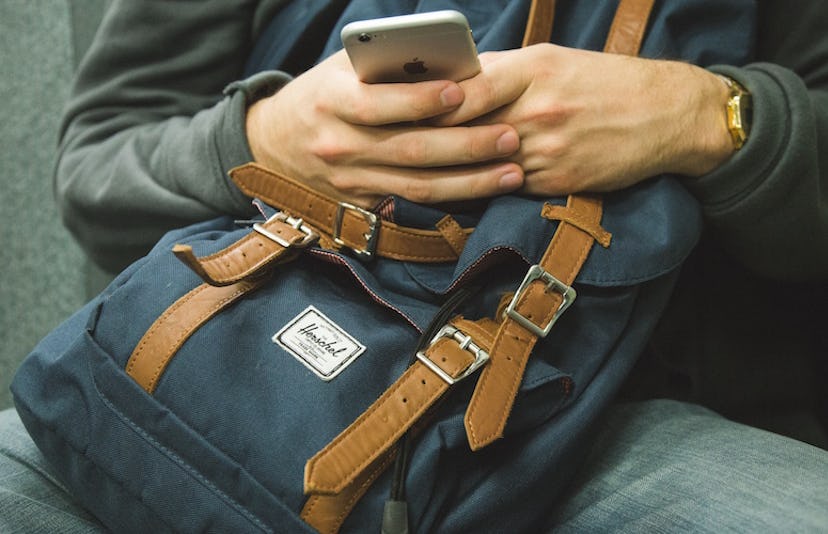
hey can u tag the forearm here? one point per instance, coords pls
(148, 134)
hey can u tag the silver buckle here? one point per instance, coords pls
(370, 238)
(536, 272)
(310, 235)
(466, 343)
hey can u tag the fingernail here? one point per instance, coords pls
(507, 143)
(511, 180)
(451, 96)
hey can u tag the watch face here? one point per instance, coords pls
(739, 113)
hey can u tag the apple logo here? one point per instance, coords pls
(416, 66)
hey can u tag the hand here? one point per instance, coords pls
(598, 122)
(359, 142)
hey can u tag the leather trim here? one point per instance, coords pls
(168, 333)
(628, 27)
(453, 233)
(394, 241)
(497, 388)
(378, 429)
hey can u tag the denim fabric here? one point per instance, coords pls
(665, 466)
(657, 466)
(32, 500)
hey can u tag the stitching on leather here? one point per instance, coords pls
(482, 439)
(137, 353)
(184, 333)
(382, 401)
(387, 397)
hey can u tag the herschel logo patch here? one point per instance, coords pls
(319, 343)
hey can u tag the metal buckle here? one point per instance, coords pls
(310, 235)
(536, 272)
(370, 238)
(466, 343)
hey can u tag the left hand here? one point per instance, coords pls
(591, 121)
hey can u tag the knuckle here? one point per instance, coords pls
(413, 151)
(419, 191)
(548, 113)
(555, 149)
(343, 183)
(330, 149)
(478, 147)
(361, 110)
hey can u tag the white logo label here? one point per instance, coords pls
(317, 342)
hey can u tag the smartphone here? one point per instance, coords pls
(410, 48)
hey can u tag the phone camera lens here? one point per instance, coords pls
(364, 37)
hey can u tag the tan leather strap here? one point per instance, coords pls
(392, 241)
(379, 428)
(247, 257)
(628, 27)
(539, 23)
(540, 301)
(326, 513)
(554, 212)
(453, 233)
(161, 342)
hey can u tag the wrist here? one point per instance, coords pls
(253, 130)
(706, 141)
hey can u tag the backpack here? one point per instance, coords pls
(329, 368)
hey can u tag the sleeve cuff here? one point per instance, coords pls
(732, 182)
(231, 137)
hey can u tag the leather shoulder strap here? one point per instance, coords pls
(627, 31)
(539, 23)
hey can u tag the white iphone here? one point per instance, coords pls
(410, 48)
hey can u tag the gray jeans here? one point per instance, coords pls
(658, 466)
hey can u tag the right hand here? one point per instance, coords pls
(360, 142)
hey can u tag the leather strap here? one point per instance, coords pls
(320, 211)
(247, 257)
(355, 458)
(540, 21)
(494, 395)
(627, 30)
(326, 513)
(379, 428)
(453, 233)
(497, 388)
(168, 333)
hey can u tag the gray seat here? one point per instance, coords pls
(45, 274)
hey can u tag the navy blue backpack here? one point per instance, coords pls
(328, 368)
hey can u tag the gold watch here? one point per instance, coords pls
(739, 111)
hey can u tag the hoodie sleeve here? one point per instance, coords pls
(768, 205)
(154, 123)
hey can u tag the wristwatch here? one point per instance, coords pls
(739, 111)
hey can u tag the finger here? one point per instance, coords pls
(390, 103)
(438, 147)
(500, 82)
(486, 58)
(431, 186)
